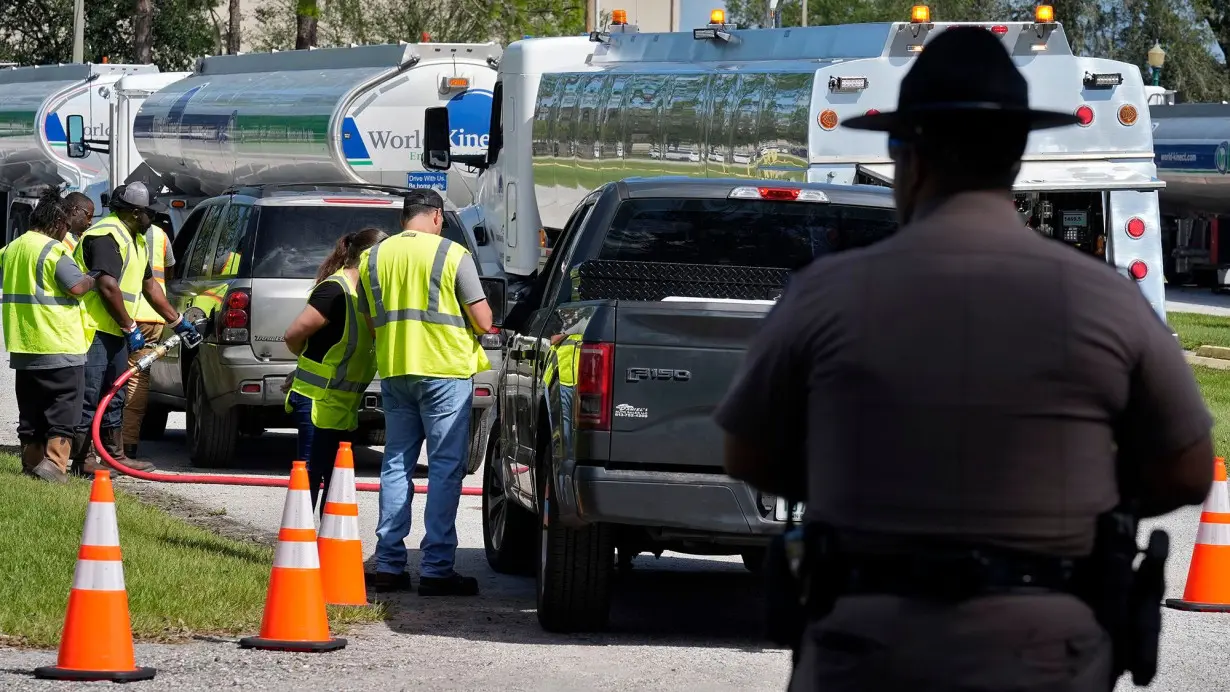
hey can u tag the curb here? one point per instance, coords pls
(1194, 358)
(1220, 352)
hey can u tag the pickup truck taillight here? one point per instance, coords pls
(236, 318)
(593, 392)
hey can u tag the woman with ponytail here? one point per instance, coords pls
(336, 361)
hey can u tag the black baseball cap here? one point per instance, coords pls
(423, 197)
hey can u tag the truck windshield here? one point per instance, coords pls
(291, 242)
(749, 233)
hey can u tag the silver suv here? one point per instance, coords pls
(248, 258)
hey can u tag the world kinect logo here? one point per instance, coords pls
(388, 139)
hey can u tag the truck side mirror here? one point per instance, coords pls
(437, 147)
(496, 289)
(76, 137)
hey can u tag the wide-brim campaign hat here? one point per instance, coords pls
(964, 71)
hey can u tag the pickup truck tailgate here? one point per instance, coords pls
(673, 362)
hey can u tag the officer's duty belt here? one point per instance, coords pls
(954, 576)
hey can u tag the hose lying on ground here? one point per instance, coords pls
(209, 479)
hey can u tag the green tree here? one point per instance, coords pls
(307, 16)
(39, 32)
(1181, 29)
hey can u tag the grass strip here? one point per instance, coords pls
(182, 580)
(1197, 330)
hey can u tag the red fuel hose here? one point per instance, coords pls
(207, 479)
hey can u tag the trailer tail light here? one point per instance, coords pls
(236, 317)
(1135, 227)
(1139, 270)
(592, 409)
(1084, 116)
(1127, 114)
(778, 194)
(999, 29)
(178, 204)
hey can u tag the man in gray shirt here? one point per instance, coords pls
(45, 332)
(964, 388)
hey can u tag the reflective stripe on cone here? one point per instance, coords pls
(1208, 575)
(341, 549)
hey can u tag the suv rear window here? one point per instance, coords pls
(749, 233)
(291, 242)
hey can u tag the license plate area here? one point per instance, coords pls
(782, 509)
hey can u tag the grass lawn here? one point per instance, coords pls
(1200, 330)
(181, 579)
(1215, 385)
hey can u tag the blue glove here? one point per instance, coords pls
(136, 340)
(185, 327)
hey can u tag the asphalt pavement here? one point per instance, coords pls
(1199, 300)
(678, 623)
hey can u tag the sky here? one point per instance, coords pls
(694, 13)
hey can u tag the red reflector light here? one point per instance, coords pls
(482, 391)
(592, 408)
(872, 111)
(779, 194)
(250, 389)
(999, 29)
(1135, 227)
(235, 319)
(352, 200)
(1084, 115)
(1139, 270)
(238, 300)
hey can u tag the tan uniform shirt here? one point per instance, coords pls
(966, 378)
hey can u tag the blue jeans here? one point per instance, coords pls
(301, 411)
(106, 360)
(416, 409)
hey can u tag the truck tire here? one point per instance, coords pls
(753, 559)
(373, 437)
(154, 424)
(575, 567)
(508, 529)
(211, 437)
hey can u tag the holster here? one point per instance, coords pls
(800, 581)
(1127, 598)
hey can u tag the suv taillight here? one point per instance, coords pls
(593, 392)
(236, 317)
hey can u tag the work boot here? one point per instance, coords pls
(384, 582)
(452, 585)
(54, 466)
(84, 463)
(31, 455)
(113, 442)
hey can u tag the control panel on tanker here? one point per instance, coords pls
(1074, 218)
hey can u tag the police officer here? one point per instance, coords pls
(150, 324)
(46, 333)
(114, 249)
(426, 304)
(962, 402)
(336, 360)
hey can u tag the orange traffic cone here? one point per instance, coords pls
(97, 639)
(341, 550)
(1208, 577)
(295, 618)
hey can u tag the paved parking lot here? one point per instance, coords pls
(679, 623)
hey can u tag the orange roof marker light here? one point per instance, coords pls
(1044, 14)
(920, 14)
(717, 17)
(619, 16)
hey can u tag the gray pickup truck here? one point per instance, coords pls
(614, 363)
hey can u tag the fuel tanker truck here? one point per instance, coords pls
(36, 104)
(333, 115)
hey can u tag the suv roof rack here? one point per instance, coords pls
(262, 190)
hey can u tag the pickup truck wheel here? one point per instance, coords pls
(477, 454)
(753, 559)
(508, 529)
(154, 424)
(211, 437)
(574, 570)
(374, 437)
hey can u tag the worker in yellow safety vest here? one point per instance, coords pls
(115, 249)
(423, 298)
(150, 324)
(336, 360)
(47, 333)
(80, 210)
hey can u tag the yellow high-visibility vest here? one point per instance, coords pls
(132, 250)
(336, 384)
(39, 316)
(421, 329)
(157, 243)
